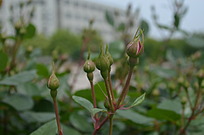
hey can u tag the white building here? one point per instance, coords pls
(51, 15)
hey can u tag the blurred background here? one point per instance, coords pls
(33, 33)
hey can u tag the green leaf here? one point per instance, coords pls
(144, 26)
(42, 70)
(80, 122)
(50, 128)
(37, 116)
(171, 105)
(30, 31)
(19, 78)
(163, 72)
(196, 41)
(135, 117)
(162, 114)
(19, 102)
(99, 89)
(87, 105)
(3, 61)
(176, 20)
(121, 27)
(69, 131)
(138, 101)
(116, 48)
(29, 88)
(109, 18)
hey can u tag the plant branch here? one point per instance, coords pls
(57, 117)
(126, 88)
(111, 125)
(189, 100)
(109, 95)
(110, 86)
(100, 125)
(93, 94)
(193, 114)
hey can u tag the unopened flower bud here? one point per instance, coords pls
(156, 92)
(108, 55)
(53, 93)
(135, 48)
(18, 26)
(133, 61)
(102, 62)
(104, 74)
(181, 80)
(53, 82)
(90, 76)
(89, 66)
(184, 100)
(200, 76)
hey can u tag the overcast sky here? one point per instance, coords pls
(193, 21)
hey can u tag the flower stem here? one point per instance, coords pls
(109, 95)
(110, 86)
(193, 114)
(126, 88)
(111, 125)
(93, 94)
(100, 125)
(57, 117)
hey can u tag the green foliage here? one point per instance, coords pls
(135, 117)
(50, 128)
(19, 102)
(25, 76)
(64, 41)
(167, 100)
(30, 31)
(138, 101)
(88, 105)
(4, 61)
(38, 41)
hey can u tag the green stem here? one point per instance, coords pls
(111, 125)
(193, 114)
(100, 125)
(109, 95)
(126, 88)
(15, 50)
(93, 94)
(57, 117)
(110, 86)
(188, 97)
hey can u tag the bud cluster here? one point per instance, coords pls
(104, 62)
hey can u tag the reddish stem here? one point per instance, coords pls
(93, 94)
(126, 88)
(57, 117)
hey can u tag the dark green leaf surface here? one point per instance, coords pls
(135, 117)
(19, 102)
(109, 18)
(19, 78)
(42, 70)
(87, 104)
(37, 116)
(162, 114)
(80, 122)
(30, 31)
(50, 128)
